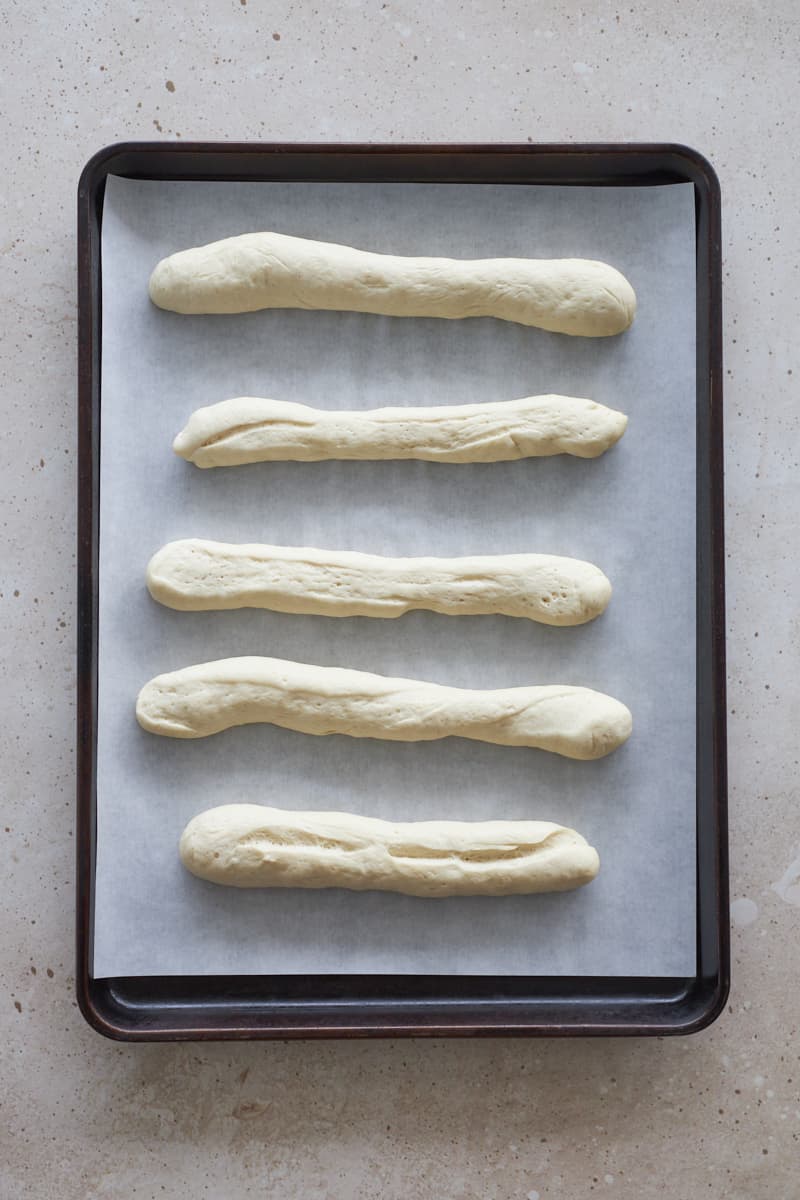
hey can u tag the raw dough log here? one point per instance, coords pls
(210, 697)
(249, 429)
(247, 845)
(270, 270)
(195, 575)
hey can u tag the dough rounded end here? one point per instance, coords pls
(611, 728)
(584, 724)
(592, 447)
(171, 286)
(622, 309)
(211, 279)
(183, 446)
(585, 298)
(164, 289)
(166, 580)
(155, 286)
(595, 594)
(152, 712)
(598, 595)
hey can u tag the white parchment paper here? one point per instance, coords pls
(631, 512)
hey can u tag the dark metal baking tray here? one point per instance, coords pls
(283, 1006)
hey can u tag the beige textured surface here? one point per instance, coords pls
(195, 575)
(270, 270)
(251, 845)
(250, 429)
(205, 698)
(714, 1116)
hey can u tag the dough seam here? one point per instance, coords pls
(247, 845)
(248, 429)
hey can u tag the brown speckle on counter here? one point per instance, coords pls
(246, 1110)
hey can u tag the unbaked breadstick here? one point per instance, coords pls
(270, 270)
(247, 845)
(210, 697)
(195, 575)
(250, 429)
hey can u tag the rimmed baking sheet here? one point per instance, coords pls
(632, 512)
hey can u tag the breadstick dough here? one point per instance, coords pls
(210, 697)
(250, 429)
(270, 270)
(195, 575)
(247, 845)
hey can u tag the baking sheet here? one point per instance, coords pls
(632, 512)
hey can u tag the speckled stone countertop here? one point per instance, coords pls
(716, 1115)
